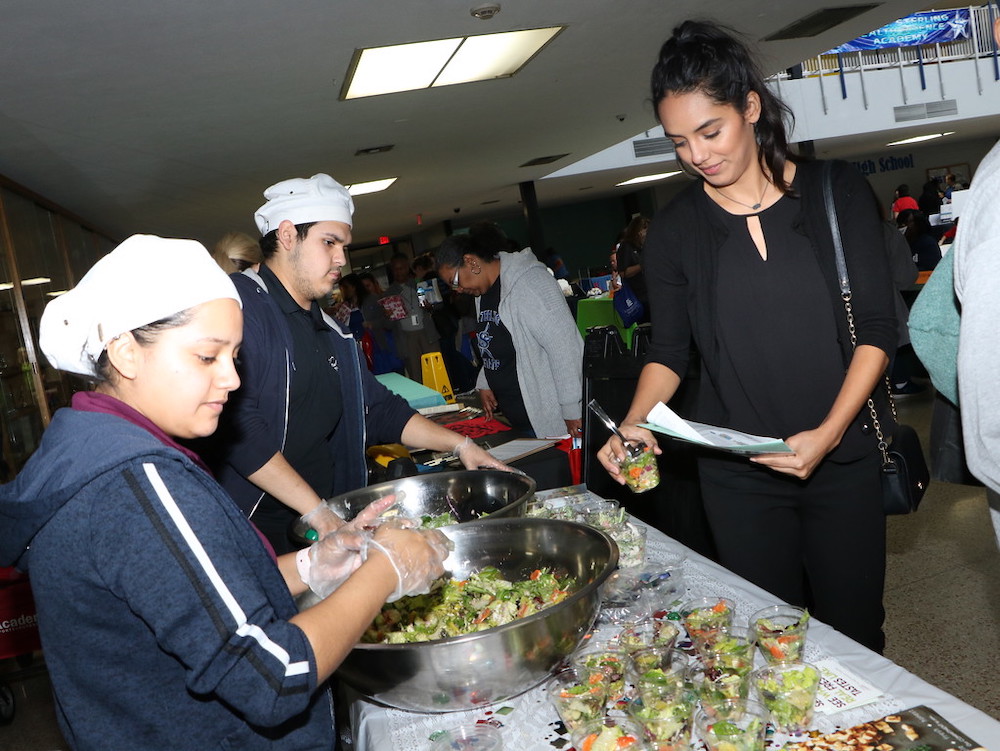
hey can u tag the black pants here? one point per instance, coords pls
(818, 543)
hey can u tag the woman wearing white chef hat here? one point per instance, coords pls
(164, 620)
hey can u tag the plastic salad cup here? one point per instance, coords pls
(467, 738)
(706, 618)
(659, 672)
(724, 677)
(611, 734)
(781, 632)
(788, 691)
(610, 661)
(641, 472)
(732, 726)
(579, 695)
(732, 640)
(667, 719)
(649, 632)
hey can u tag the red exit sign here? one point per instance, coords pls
(384, 240)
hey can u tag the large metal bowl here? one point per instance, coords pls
(467, 494)
(465, 672)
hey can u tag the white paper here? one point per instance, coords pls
(508, 452)
(840, 689)
(662, 419)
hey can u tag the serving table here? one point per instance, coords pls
(529, 722)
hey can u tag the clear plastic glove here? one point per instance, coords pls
(474, 456)
(371, 515)
(333, 559)
(323, 519)
(417, 555)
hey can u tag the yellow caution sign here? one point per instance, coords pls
(435, 376)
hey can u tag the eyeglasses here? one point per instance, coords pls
(454, 280)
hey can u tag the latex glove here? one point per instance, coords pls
(417, 555)
(323, 519)
(474, 456)
(371, 515)
(327, 564)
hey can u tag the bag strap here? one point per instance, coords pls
(845, 294)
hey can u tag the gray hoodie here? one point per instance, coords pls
(547, 342)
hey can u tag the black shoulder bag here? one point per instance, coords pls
(905, 476)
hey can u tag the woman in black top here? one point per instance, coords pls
(628, 256)
(743, 263)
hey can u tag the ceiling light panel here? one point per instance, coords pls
(487, 56)
(442, 62)
(373, 186)
(402, 67)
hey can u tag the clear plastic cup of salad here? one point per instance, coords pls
(648, 632)
(781, 632)
(735, 725)
(705, 618)
(667, 718)
(731, 640)
(788, 691)
(611, 734)
(578, 694)
(659, 671)
(639, 468)
(610, 660)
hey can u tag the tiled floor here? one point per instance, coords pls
(942, 602)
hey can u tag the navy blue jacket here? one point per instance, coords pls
(164, 621)
(255, 421)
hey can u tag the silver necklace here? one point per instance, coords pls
(755, 206)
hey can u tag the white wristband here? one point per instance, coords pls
(304, 564)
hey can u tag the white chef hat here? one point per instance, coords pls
(318, 199)
(145, 279)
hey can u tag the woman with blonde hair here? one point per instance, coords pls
(237, 251)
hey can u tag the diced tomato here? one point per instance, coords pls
(787, 638)
(536, 574)
(634, 472)
(588, 742)
(483, 616)
(625, 741)
(523, 610)
(777, 651)
(719, 607)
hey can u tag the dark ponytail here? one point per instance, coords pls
(709, 58)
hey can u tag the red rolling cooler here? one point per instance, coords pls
(18, 632)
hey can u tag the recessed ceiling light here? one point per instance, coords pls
(442, 62)
(543, 160)
(918, 139)
(374, 150)
(372, 186)
(648, 178)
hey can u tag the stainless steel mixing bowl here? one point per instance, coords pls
(465, 672)
(467, 494)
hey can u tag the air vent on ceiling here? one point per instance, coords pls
(819, 21)
(544, 160)
(922, 111)
(374, 150)
(661, 146)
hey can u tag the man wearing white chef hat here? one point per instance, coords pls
(296, 432)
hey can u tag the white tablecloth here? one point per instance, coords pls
(533, 724)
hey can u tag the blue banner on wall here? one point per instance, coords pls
(916, 29)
